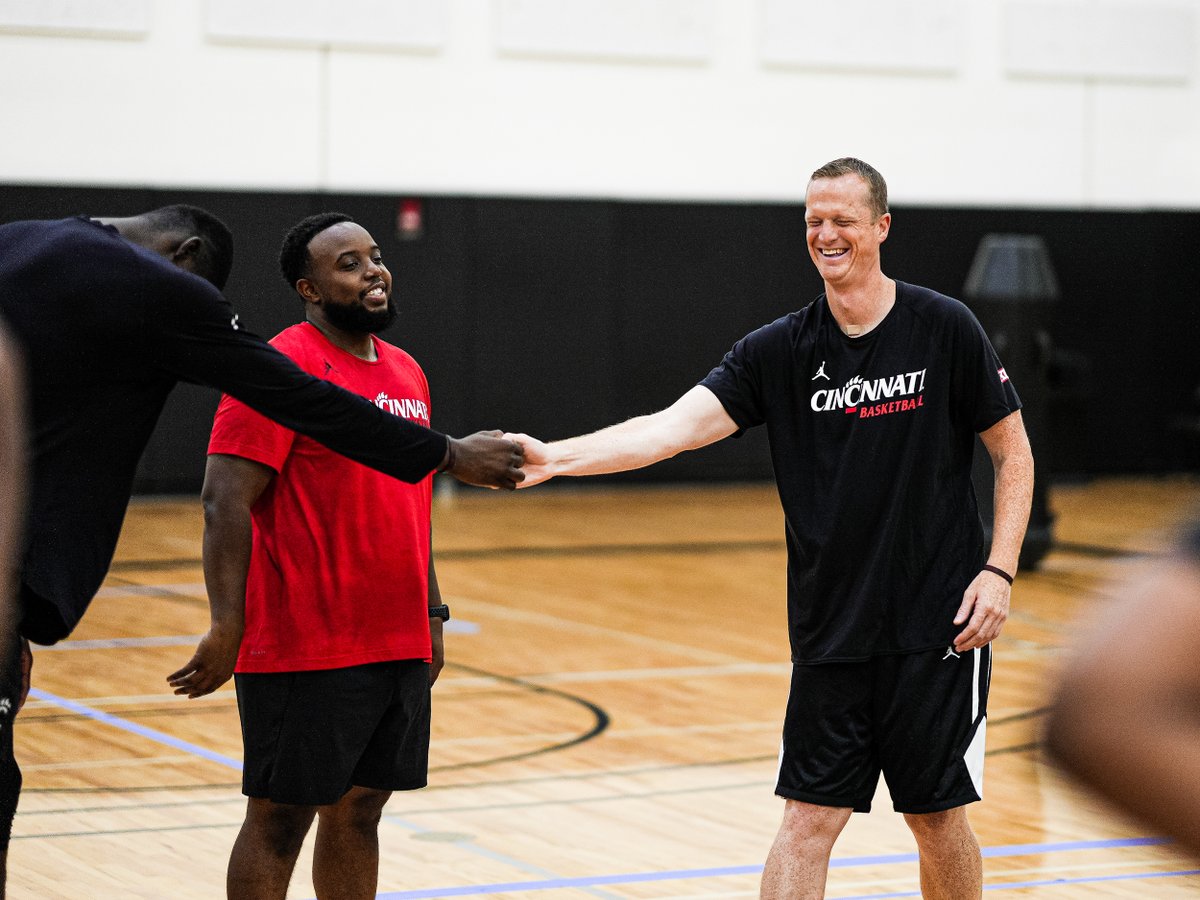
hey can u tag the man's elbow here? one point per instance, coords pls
(220, 506)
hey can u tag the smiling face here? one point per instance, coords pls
(843, 230)
(346, 281)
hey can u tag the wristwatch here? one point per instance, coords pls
(440, 612)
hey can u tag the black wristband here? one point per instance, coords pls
(997, 571)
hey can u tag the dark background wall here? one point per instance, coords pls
(560, 316)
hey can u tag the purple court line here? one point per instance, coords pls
(212, 756)
(1048, 882)
(115, 722)
(635, 877)
(845, 862)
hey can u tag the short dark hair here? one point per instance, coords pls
(848, 165)
(215, 257)
(293, 255)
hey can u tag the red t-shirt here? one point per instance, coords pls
(340, 564)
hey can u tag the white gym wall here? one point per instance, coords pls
(1055, 103)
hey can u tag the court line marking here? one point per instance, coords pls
(230, 762)
(647, 674)
(566, 624)
(1044, 872)
(771, 725)
(159, 589)
(221, 759)
(592, 882)
(169, 640)
(100, 715)
(226, 695)
(844, 862)
(454, 626)
(105, 763)
(468, 554)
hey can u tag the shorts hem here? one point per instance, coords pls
(940, 806)
(266, 795)
(406, 786)
(822, 800)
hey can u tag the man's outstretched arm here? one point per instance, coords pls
(197, 338)
(695, 420)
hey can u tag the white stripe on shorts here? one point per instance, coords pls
(974, 755)
(975, 685)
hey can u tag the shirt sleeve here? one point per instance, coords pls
(984, 391)
(192, 333)
(240, 431)
(737, 381)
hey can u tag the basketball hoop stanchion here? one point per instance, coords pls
(1011, 288)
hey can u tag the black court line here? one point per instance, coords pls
(1017, 748)
(144, 789)
(683, 547)
(151, 713)
(601, 720)
(123, 565)
(469, 553)
(1020, 717)
(1098, 551)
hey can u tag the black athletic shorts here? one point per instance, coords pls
(310, 736)
(919, 718)
(10, 772)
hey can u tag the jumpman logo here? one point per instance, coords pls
(328, 366)
(821, 373)
(950, 652)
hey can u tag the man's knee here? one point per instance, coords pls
(935, 826)
(280, 826)
(360, 809)
(810, 823)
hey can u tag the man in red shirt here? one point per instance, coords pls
(322, 588)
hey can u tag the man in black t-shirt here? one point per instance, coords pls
(109, 315)
(872, 396)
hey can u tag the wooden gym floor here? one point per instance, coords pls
(607, 724)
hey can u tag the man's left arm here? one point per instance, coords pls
(985, 603)
(197, 338)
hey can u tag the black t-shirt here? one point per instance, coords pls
(871, 440)
(107, 329)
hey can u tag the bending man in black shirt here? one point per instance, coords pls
(12, 511)
(873, 395)
(110, 315)
(1124, 720)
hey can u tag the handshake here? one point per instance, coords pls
(496, 460)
